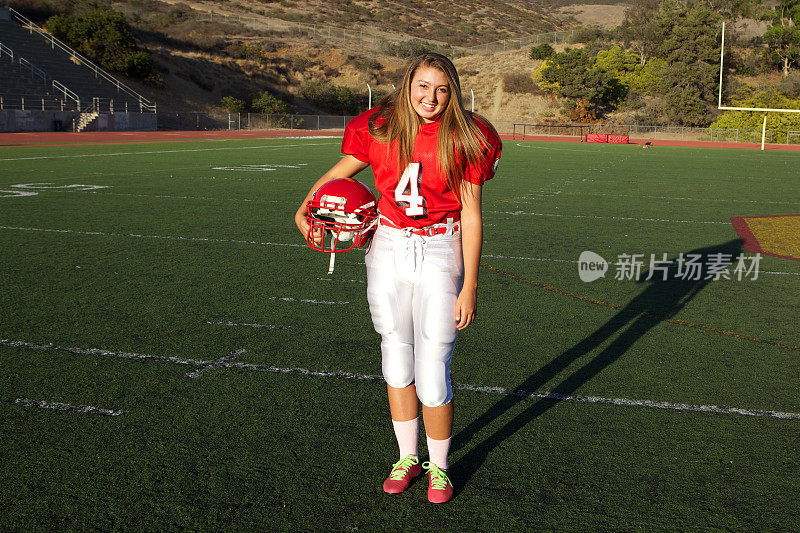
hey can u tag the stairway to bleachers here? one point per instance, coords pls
(22, 87)
(48, 60)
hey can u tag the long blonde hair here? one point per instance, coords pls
(460, 141)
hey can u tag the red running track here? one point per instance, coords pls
(121, 137)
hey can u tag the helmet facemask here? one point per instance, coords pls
(349, 228)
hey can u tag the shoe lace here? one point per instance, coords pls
(400, 468)
(439, 479)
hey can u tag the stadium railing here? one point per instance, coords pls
(144, 104)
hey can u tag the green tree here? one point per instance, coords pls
(233, 104)
(639, 28)
(625, 66)
(768, 98)
(691, 51)
(269, 104)
(783, 34)
(573, 73)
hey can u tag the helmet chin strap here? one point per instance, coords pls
(333, 255)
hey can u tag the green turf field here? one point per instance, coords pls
(178, 291)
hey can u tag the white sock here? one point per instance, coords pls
(407, 434)
(438, 450)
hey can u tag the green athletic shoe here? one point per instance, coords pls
(403, 472)
(440, 489)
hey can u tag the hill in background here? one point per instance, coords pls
(319, 57)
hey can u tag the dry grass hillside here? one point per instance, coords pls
(205, 50)
(462, 22)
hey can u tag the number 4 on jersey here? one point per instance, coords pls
(407, 191)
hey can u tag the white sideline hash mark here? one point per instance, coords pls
(259, 168)
(624, 402)
(234, 324)
(84, 409)
(323, 302)
(5, 193)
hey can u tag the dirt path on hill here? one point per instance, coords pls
(498, 100)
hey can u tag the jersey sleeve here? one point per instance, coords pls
(486, 166)
(357, 139)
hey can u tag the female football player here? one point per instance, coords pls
(430, 158)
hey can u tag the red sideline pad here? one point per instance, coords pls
(606, 138)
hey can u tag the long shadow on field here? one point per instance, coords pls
(663, 298)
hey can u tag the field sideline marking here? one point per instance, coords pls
(168, 151)
(648, 314)
(84, 409)
(223, 363)
(233, 241)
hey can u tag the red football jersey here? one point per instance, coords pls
(416, 196)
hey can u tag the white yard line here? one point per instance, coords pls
(259, 243)
(118, 154)
(228, 362)
(57, 406)
(164, 237)
(213, 365)
(167, 196)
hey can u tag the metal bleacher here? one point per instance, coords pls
(39, 72)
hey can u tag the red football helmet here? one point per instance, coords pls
(347, 209)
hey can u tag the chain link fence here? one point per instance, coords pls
(250, 121)
(664, 133)
(257, 121)
(554, 38)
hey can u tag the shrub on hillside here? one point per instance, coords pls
(102, 35)
(543, 51)
(365, 64)
(39, 11)
(590, 35)
(334, 98)
(415, 47)
(520, 84)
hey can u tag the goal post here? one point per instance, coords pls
(764, 110)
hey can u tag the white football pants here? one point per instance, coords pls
(413, 282)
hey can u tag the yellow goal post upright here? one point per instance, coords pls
(766, 110)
